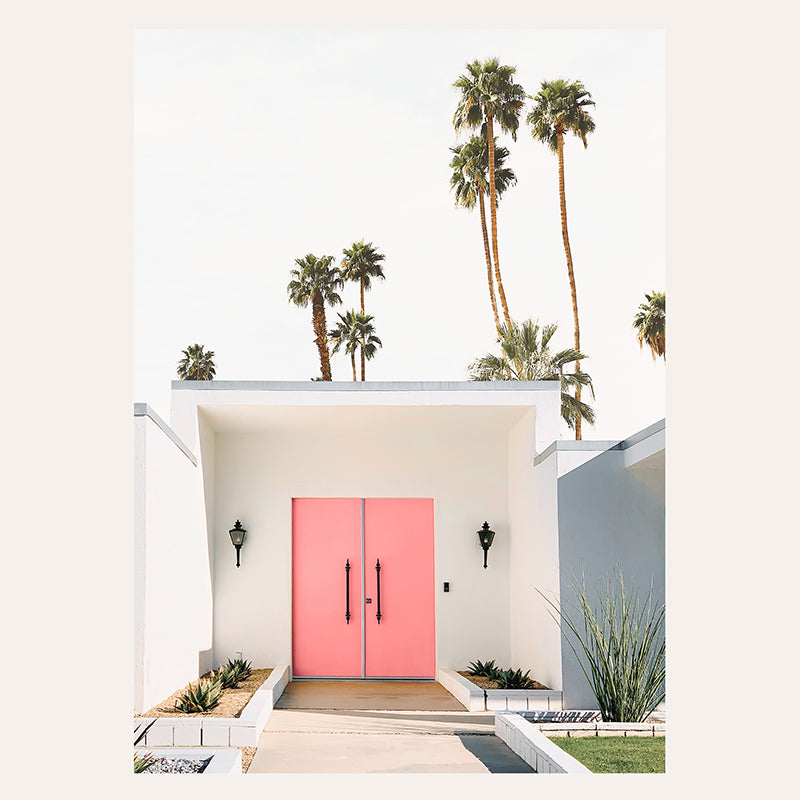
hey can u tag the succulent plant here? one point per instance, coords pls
(513, 679)
(234, 672)
(486, 670)
(202, 696)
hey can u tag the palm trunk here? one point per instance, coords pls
(493, 215)
(488, 260)
(362, 311)
(353, 362)
(565, 237)
(321, 329)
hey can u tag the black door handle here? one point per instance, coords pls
(378, 575)
(347, 591)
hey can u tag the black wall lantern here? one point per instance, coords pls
(237, 533)
(486, 537)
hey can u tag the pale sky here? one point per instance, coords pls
(254, 148)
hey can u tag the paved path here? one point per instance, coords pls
(416, 728)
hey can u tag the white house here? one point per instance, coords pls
(362, 503)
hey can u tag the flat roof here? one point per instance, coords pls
(370, 386)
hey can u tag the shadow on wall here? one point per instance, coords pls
(608, 521)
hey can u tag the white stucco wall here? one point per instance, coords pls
(535, 638)
(172, 603)
(464, 468)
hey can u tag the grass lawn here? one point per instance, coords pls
(616, 753)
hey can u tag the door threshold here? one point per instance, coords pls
(364, 680)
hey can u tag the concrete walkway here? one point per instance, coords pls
(346, 735)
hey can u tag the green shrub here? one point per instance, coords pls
(621, 649)
(202, 696)
(485, 670)
(513, 679)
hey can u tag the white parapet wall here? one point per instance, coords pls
(172, 571)
(241, 731)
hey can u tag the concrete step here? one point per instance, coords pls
(385, 722)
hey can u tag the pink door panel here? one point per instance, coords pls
(399, 533)
(326, 533)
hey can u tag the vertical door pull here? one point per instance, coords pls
(378, 575)
(347, 591)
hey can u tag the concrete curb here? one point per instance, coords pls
(241, 731)
(533, 747)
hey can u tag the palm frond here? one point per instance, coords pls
(525, 356)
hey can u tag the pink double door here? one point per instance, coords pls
(362, 588)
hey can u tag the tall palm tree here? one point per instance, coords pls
(560, 107)
(650, 324)
(488, 93)
(362, 263)
(470, 165)
(356, 331)
(197, 364)
(525, 356)
(316, 281)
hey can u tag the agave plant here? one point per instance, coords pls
(142, 762)
(621, 649)
(513, 679)
(485, 670)
(227, 676)
(241, 669)
(202, 696)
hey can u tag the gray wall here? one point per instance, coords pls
(609, 519)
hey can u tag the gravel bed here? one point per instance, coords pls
(180, 765)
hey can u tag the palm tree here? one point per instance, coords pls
(196, 364)
(317, 281)
(560, 107)
(345, 334)
(650, 324)
(356, 331)
(470, 165)
(488, 93)
(362, 263)
(525, 356)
